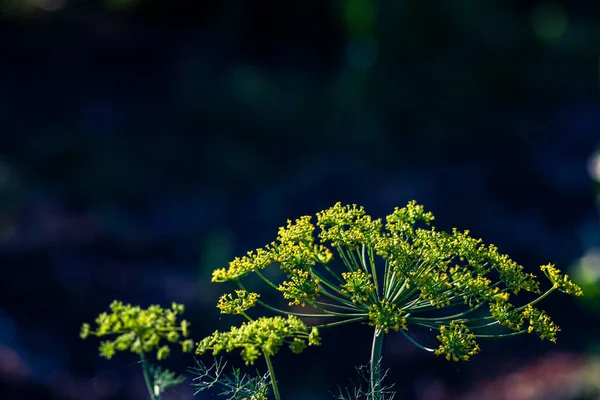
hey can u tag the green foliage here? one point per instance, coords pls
(163, 379)
(236, 386)
(363, 389)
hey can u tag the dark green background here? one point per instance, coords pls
(145, 143)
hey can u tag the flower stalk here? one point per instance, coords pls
(152, 389)
(273, 379)
(375, 365)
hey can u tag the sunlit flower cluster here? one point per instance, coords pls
(140, 331)
(560, 281)
(358, 285)
(385, 316)
(398, 274)
(263, 336)
(457, 342)
(228, 304)
(301, 287)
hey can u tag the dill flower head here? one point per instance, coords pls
(140, 330)
(238, 305)
(396, 273)
(263, 336)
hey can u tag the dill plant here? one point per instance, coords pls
(397, 274)
(142, 331)
(394, 275)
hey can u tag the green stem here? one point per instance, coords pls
(396, 287)
(388, 278)
(267, 281)
(472, 328)
(354, 260)
(413, 341)
(324, 281)
(330, 313)
(517, 333)
(531, 303)
(346, 321)
(431, 325)
(147, 378)
(376, 365)
(324, 304)
(362, 258)
(340, 300)
(333, 274)
(273, 380)
(373, 268)
(326, 313)
(345, 259)
(454, 316)
(246, 316)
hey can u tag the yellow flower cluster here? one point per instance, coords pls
(358, 285)
(301, 288)
(457, 342)
(424, 270)
(263, 336)
(348, 226)
(385, 316)
(140, 330)
(515, 318)
(540, 323)
(300, 231)
(294, 249)
(505, 314)
(512, 273)
(403, 220)
(474, 287)
(560, 281)
(238, 305)
(239, 267)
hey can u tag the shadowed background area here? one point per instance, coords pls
(144, 143)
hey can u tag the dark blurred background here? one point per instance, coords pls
(144, 143)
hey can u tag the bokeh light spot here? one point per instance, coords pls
(594, 166)
(586, 273)
(549, 20)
